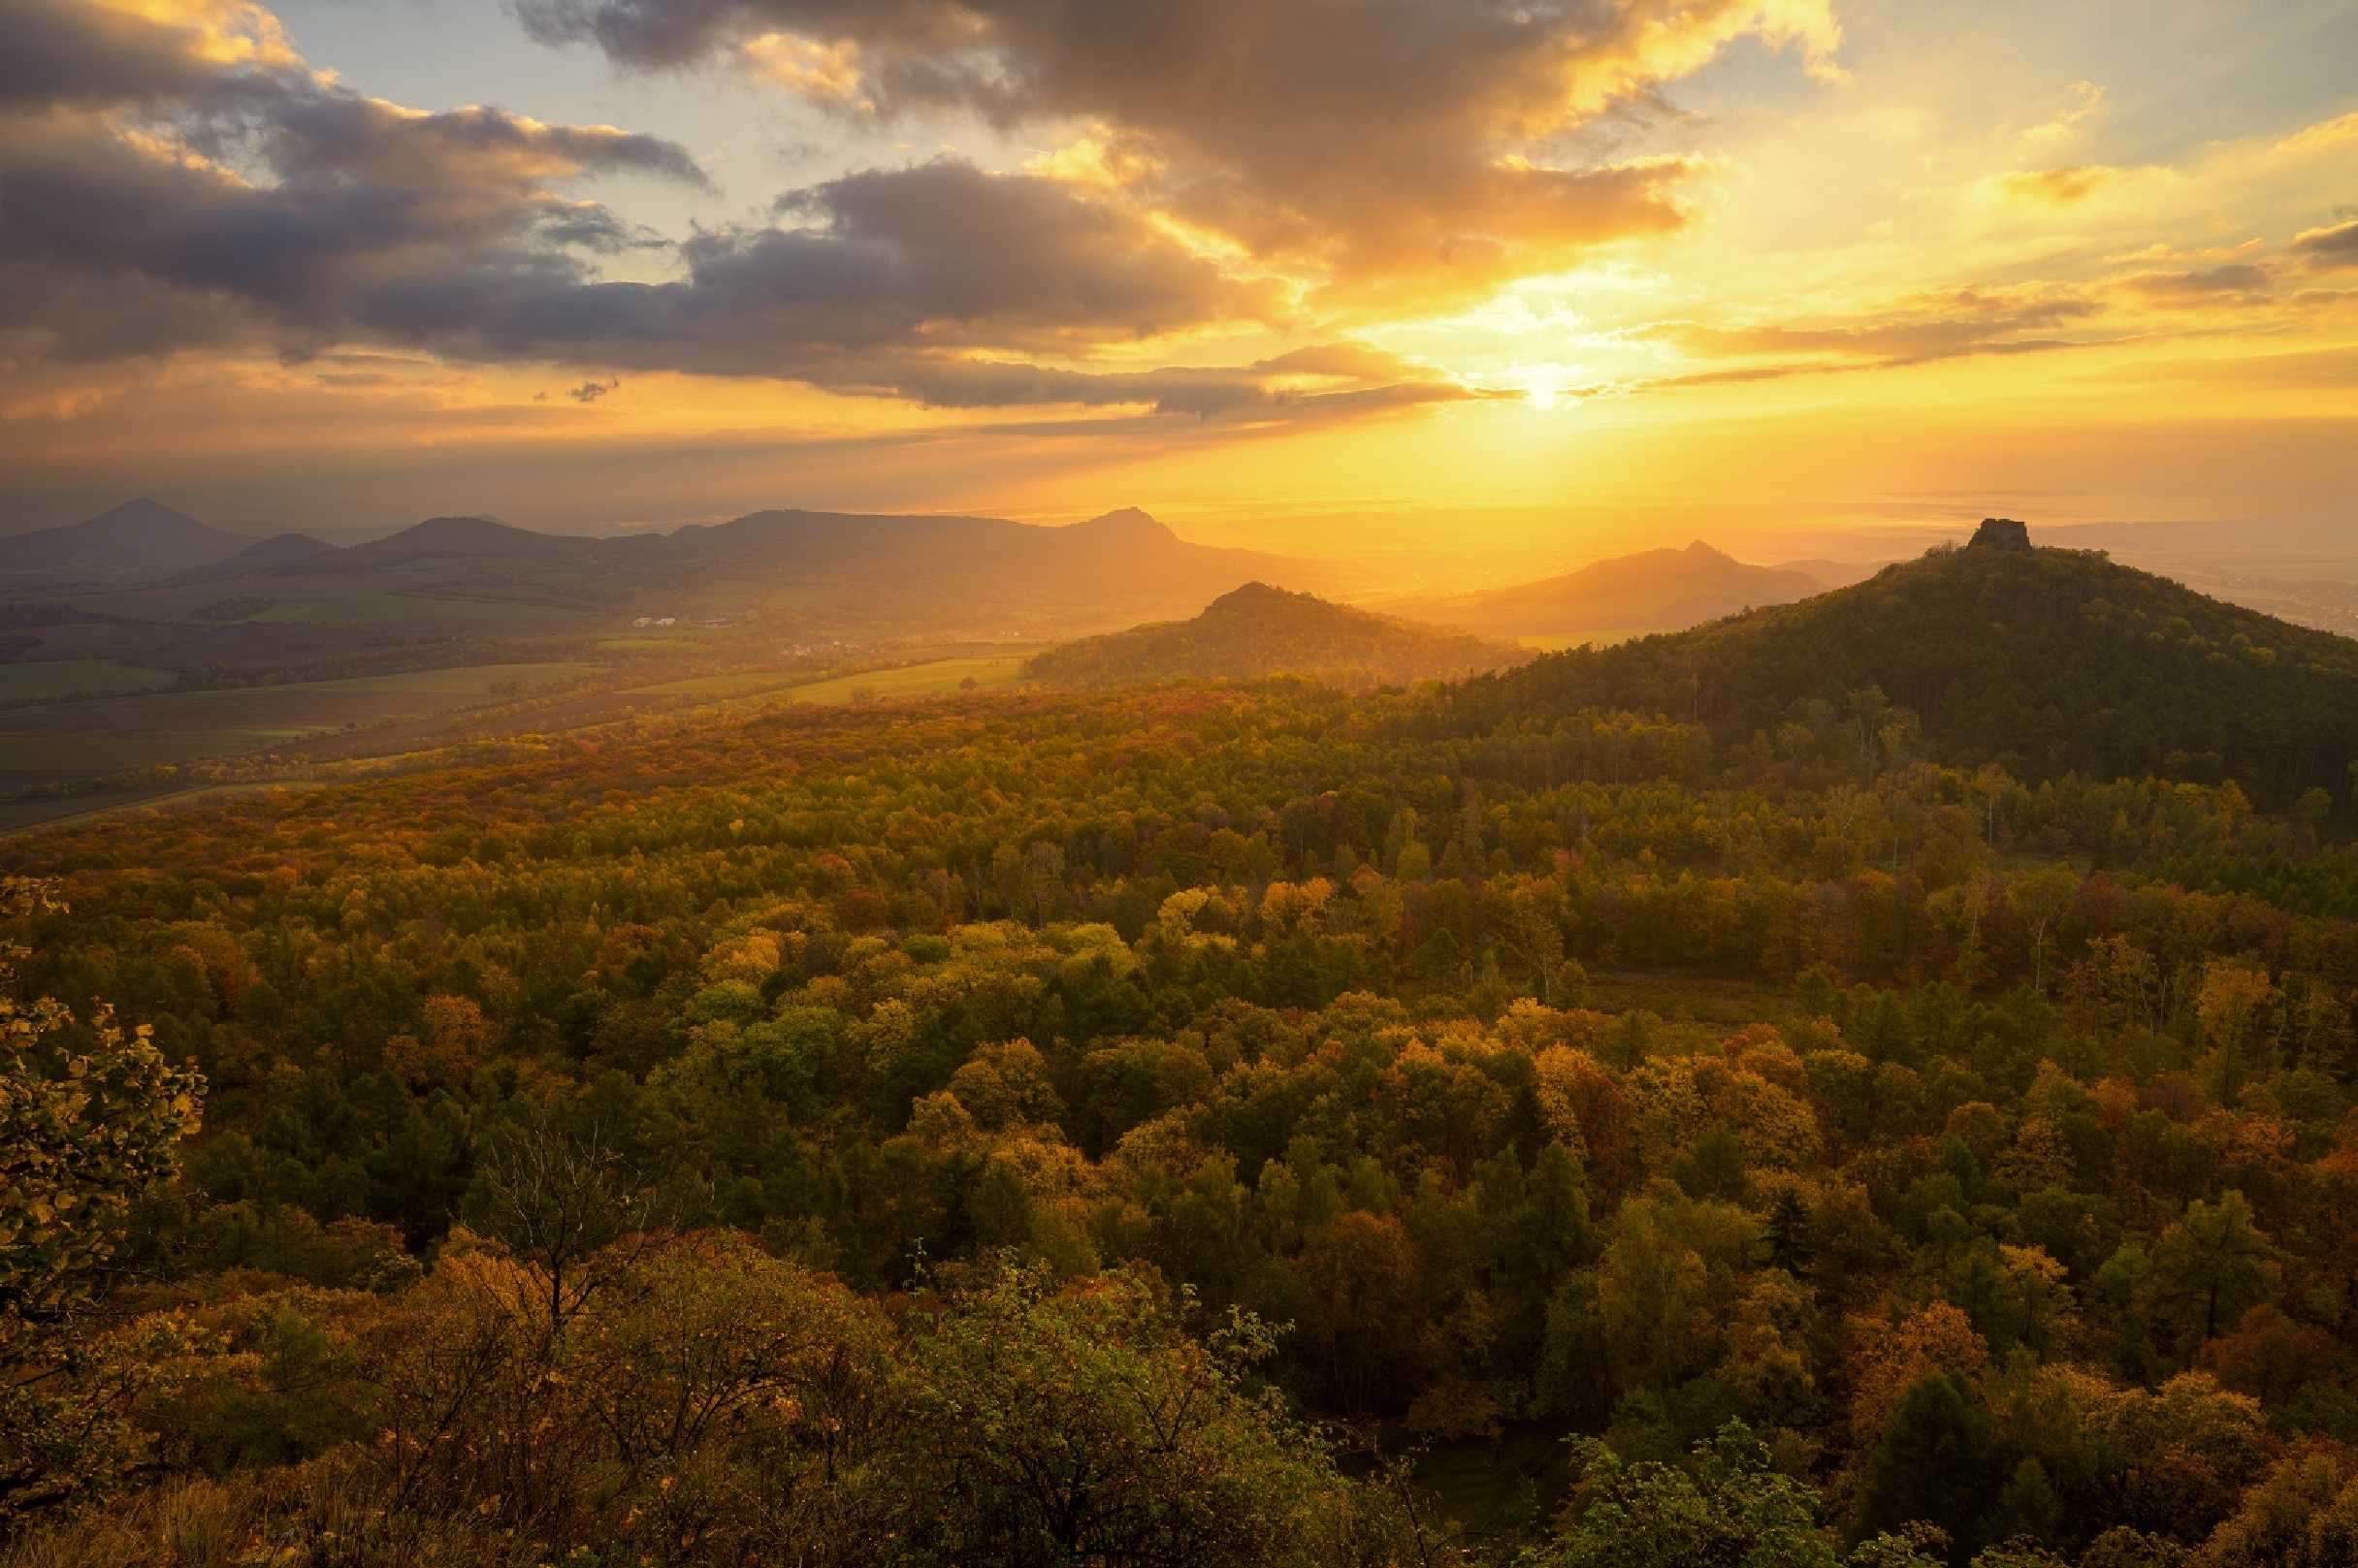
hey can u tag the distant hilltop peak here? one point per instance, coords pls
(140, 506)
(464, 525)
(1127, 522)
(143, 513)
(1254, 593)
(2001, 533)
(140, 538)
(1258, 629)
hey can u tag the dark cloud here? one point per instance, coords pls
(177, 180)
(221, 78)
(1390, 142)
(2060, 186)
(1779, 369)
(1933, 326)
(1375, 380)
(326, 132)
(1000, 258)
(2236, 281)
(590, 226)
(92, 218)
(2335, 245)
(591, 391)
(69, 53)
(888, 280)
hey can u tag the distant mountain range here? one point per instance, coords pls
(1651, 590)
(854, 573)
(1258, 630)
(976, 573)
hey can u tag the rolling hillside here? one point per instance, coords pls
(1259, 630)
(1651, 590)
(2052, 660)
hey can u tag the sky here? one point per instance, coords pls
(1507, 278)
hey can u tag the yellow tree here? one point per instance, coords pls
(2236, 1008)
(92, 1117)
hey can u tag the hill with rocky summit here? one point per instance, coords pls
(2050, 661)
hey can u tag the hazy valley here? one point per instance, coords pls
(144, 653)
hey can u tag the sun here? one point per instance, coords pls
(1547, 384)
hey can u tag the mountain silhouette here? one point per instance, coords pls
(140, 539)
(1650, 591)
(1256, 631)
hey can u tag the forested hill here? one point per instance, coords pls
(2050, 661)
(1261, 630)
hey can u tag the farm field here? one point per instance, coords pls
(116, 734)
(740, 683)
(329, 600)
(922, 676)
(67, 677)
(916, 680)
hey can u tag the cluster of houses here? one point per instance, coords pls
(659, 621)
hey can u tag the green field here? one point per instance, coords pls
(68, 677)
(462, 680)
(916, 680)
(923, 678)
(341, 602)
(114, 734)
(744, 683)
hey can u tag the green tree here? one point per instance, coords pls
(2211, 1265)
(1933, 1460)
(1082, 1424)
(1725, 1508)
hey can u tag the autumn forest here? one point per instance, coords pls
(1178, 783)
(1232, 1122)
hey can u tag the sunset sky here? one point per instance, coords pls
(1267, 267)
